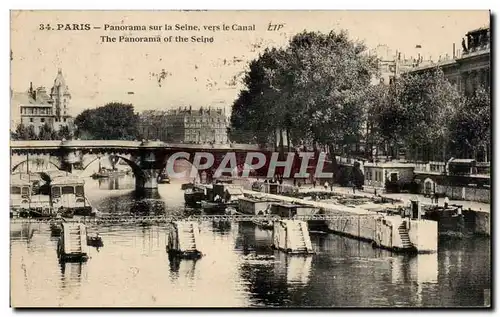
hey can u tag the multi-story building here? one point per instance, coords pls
(204, 125)
(36, 107)
(391, 65)
(470, 67)
(153, 125)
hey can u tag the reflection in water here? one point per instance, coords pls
(22, 231)
(185, 268)
(135, 269)
(415, 271)
(266, 283)
(116, 182)
(221, 227)
(71, 275)
(298, 269)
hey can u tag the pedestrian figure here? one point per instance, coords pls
(331, 186)
(326, 185)
(436, 198)
(354, 189)
(446, 202)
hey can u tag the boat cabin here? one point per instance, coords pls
(233, 194)
(20, 193)
(290, 210)
(462, 167)
(68, 192)
(255, 206)
(226, 191)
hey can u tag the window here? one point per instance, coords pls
(31, 119)
(79, 191)
(64, 119)
(56, 191)
(15, 190)
(68, 190)
(42, 120)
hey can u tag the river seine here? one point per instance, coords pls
(133, 268)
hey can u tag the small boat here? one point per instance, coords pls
(163, 179)
(231, 211)
(194, 196)
(56, 228)
(217, 206)
(187, 186)
(95, 241)
(106, 173)
(262, 257)
(264, 224)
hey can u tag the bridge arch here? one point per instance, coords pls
(183, 165)
(35, 160)
(138, 172)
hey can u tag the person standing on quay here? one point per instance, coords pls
(446, 201)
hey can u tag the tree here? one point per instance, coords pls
(114, 121)
(24, 133)
(47, 133)
(31, 133)
(418, 112)
(251, 117)
(64, 133)
(376, 101)
(21, 133)
(312, 89)
(471, 125)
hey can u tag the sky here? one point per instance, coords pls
(199, 74)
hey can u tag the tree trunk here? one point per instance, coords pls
(444, 149)
(333, 157)
(288, 139)
(281, 145)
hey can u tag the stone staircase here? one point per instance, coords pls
(298, 233)
(73, 242)
(405, 237)
(187, 234)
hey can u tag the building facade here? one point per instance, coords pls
(37, 107)
(153, 125)
(204, 125)
(391, 64)
(467, 71)
(471, 67)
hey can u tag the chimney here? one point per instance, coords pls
(454, 50)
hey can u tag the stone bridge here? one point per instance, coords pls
(147, 159)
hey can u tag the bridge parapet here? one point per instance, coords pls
(41, 144)
(168, 219)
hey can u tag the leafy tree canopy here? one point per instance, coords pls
(114, 121)
(313, 89)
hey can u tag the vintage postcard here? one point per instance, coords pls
(250, 159)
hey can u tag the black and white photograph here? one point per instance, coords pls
(250, 159)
